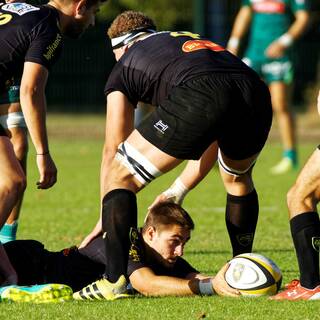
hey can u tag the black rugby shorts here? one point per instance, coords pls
(232, 109)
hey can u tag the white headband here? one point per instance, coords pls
(126, 38)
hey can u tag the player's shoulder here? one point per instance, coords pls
(29, 11)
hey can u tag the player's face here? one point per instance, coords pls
(84, 19)
(169, 243)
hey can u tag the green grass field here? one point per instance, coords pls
(62, 216)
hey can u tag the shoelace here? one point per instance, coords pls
(292, 284)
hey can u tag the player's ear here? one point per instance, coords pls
(150, 233)
(81, 7)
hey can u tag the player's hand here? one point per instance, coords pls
(163, 197)
(96, 232)
(175, 194)
(220, 285)
(47, 170)
(275, 50)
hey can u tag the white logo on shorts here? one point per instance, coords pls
(160, 126)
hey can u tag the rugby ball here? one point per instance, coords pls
(254, 275)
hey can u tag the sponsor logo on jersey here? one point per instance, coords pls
(19, 8)
(245, 239)
(269, 6)
(316, 243)
(52, 47)
(194, 45)
(161, 127)
(135, 251)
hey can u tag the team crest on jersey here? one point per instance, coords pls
(19, 8)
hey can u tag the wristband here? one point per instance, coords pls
(43, 154)
(286, 40)
(233, 43)
(205, 287)
(177, 191)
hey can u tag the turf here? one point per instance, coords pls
(62, 216)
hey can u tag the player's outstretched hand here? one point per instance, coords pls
(47, 170)
(220, 285)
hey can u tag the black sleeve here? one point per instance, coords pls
(117, 82)
(46, 43)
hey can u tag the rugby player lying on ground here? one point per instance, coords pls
(156, 266)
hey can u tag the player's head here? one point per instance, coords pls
(76, 15)
(166, 231)
(128, 27)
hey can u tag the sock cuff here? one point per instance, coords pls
(252, 195)
(115, 192)
(304, 220)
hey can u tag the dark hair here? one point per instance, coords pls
(129, 21)
(168, 213)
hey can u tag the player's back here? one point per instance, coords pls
(153, 66)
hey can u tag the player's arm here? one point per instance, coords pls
(119, 124)
(145, 281)
(240, 28)
(278, 47)
(33, 104)
(194, 172)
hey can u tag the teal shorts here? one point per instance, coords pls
(10, 93)
(272, 70)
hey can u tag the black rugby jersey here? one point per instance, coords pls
(152, 67)
(27, 33)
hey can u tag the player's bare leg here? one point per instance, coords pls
(17, 133)
(12, 184)
(302, 201)
(280, 97)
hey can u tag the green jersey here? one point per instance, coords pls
(271, 19)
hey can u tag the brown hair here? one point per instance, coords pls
(167, 213)
(128, 21)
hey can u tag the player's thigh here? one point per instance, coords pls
(279, 95)
(10, 168)
(163, 161)
(137, 163)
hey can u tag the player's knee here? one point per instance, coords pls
(14, 187)
(296, 199)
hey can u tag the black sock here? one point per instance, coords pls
(241, 220)
(305, 230)
(119, 214)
